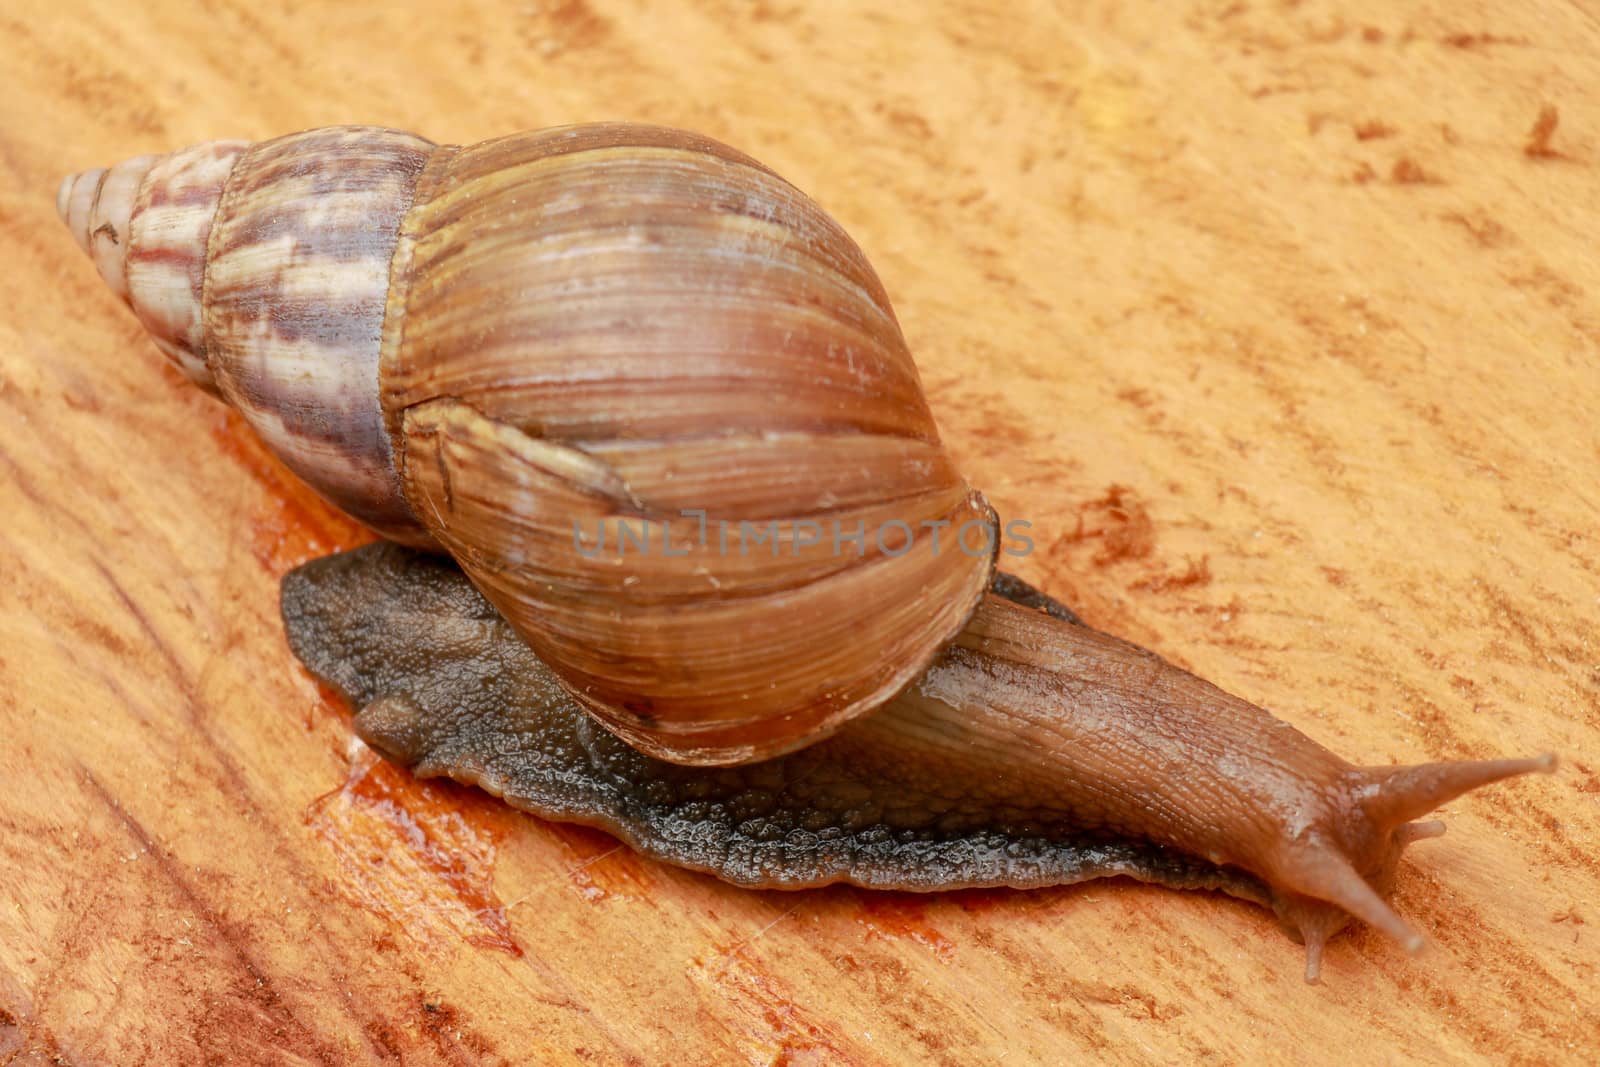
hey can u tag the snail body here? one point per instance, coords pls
(488, 350)
(1034, 751)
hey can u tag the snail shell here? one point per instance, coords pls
(490, 348)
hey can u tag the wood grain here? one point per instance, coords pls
(1278, 322)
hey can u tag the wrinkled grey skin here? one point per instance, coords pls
(445, 687)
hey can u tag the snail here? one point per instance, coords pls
(714, 584)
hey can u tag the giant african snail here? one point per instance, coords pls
(486, 348)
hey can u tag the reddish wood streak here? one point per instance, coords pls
(419, 854)
(890, 915)
(296, 525)
(260, 986)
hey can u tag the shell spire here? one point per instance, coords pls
(145, 223)
(97, 206)
(261, 270)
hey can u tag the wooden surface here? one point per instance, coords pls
(1278, 321)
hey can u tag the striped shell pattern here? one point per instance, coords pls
(576, 359)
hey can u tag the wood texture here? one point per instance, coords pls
(1278, 322)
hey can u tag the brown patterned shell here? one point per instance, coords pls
(261, 271)
(650, 396)
(296, 279)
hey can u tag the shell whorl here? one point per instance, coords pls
(296, 280)
(602, 328)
